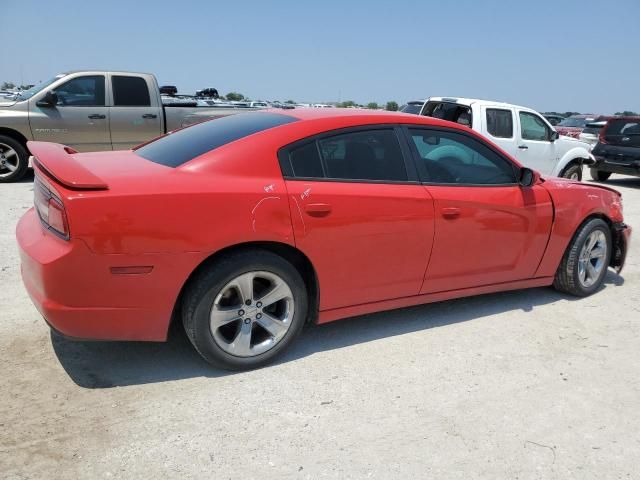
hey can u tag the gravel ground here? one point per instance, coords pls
(528, 384)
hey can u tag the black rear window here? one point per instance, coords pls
(183, 145)
(625, 132)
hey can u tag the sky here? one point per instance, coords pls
(548, 55)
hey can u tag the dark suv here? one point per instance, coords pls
(618, 149)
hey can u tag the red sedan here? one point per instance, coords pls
(247, 226)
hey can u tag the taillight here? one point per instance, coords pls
(50, 209)
(601, 138)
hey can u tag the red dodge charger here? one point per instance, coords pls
(247, 226)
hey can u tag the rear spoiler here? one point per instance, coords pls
(58, 162)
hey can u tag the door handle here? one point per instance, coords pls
(523, 147)
(451, 212)
(97, 116)
(149, 115)
(318, 209)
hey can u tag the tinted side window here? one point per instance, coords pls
(305, 161)
(533, 127)
(364, 155)
(130, 92)
(453, 158)
(82, 92)
(500, 123)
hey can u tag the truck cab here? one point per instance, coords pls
(520, 131)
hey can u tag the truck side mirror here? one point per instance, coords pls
(528, 177)
(554, 136)
(50, 99)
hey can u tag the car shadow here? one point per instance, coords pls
(114, 364)
(619, 181)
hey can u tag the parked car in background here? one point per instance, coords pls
(591, 132)
(248, 226)
(553, 119)
(414, 106)
(520, 131)
(258, 104)
(618, 149)
(90, 111)
(572, 126)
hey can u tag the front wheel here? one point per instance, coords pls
(599, 175)
(573, 172)
(584, 265)
(245, 309)
(14, 160)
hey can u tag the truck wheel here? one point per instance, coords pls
(573, 172)
(584, 264)
(244, 310)
(14, 160)
(599, 175)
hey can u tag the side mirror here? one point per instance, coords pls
(554, 136)
(50, 99)
(528, 177)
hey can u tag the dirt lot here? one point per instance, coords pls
(528, 384)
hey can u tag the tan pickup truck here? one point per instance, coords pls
(90, 111)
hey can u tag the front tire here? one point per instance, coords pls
(584, 264)
(14, 160)
(573, 172)
(244, 310)
(599, 175)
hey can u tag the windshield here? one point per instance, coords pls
(27, 94)
(574, 122)
(411, 108)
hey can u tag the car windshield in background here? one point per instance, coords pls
(411, 108)
(623, 132)
(574, 122)
(27, 94)
(183, 145)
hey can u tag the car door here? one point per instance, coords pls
(488, 228)
(80, 119)
(135, 113)
(535, 148)
(359, 214)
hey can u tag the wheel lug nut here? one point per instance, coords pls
(259, 316)
(247, 321)
(248, 302)
(241, 312)
(259, 304)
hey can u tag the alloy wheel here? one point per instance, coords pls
(9, 160)
(592, 258)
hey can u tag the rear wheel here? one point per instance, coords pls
(14, 160)
(599, 175)
(245, 310)
(573, 172)
(584, 265)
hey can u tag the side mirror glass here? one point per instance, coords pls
(50, 99)
(554, 136)
(528, 177)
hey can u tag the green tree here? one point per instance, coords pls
(290, 102)
(234, 97)
(346, 104)
(391, 106)
(372, 106)
(7, 85)
(628, 113)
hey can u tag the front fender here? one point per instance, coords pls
(580, 154)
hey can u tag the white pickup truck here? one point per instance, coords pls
(520, 131)
(90, 111)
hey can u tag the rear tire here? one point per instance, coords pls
(223, 311)
(573, 172)
(584, 264)
(14, 160)
(599, 175)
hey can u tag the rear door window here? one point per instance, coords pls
(623, 132)
(499, 122)
(130, 91)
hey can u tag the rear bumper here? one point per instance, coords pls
(623, 167)
(79, 296)
(621, 238)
